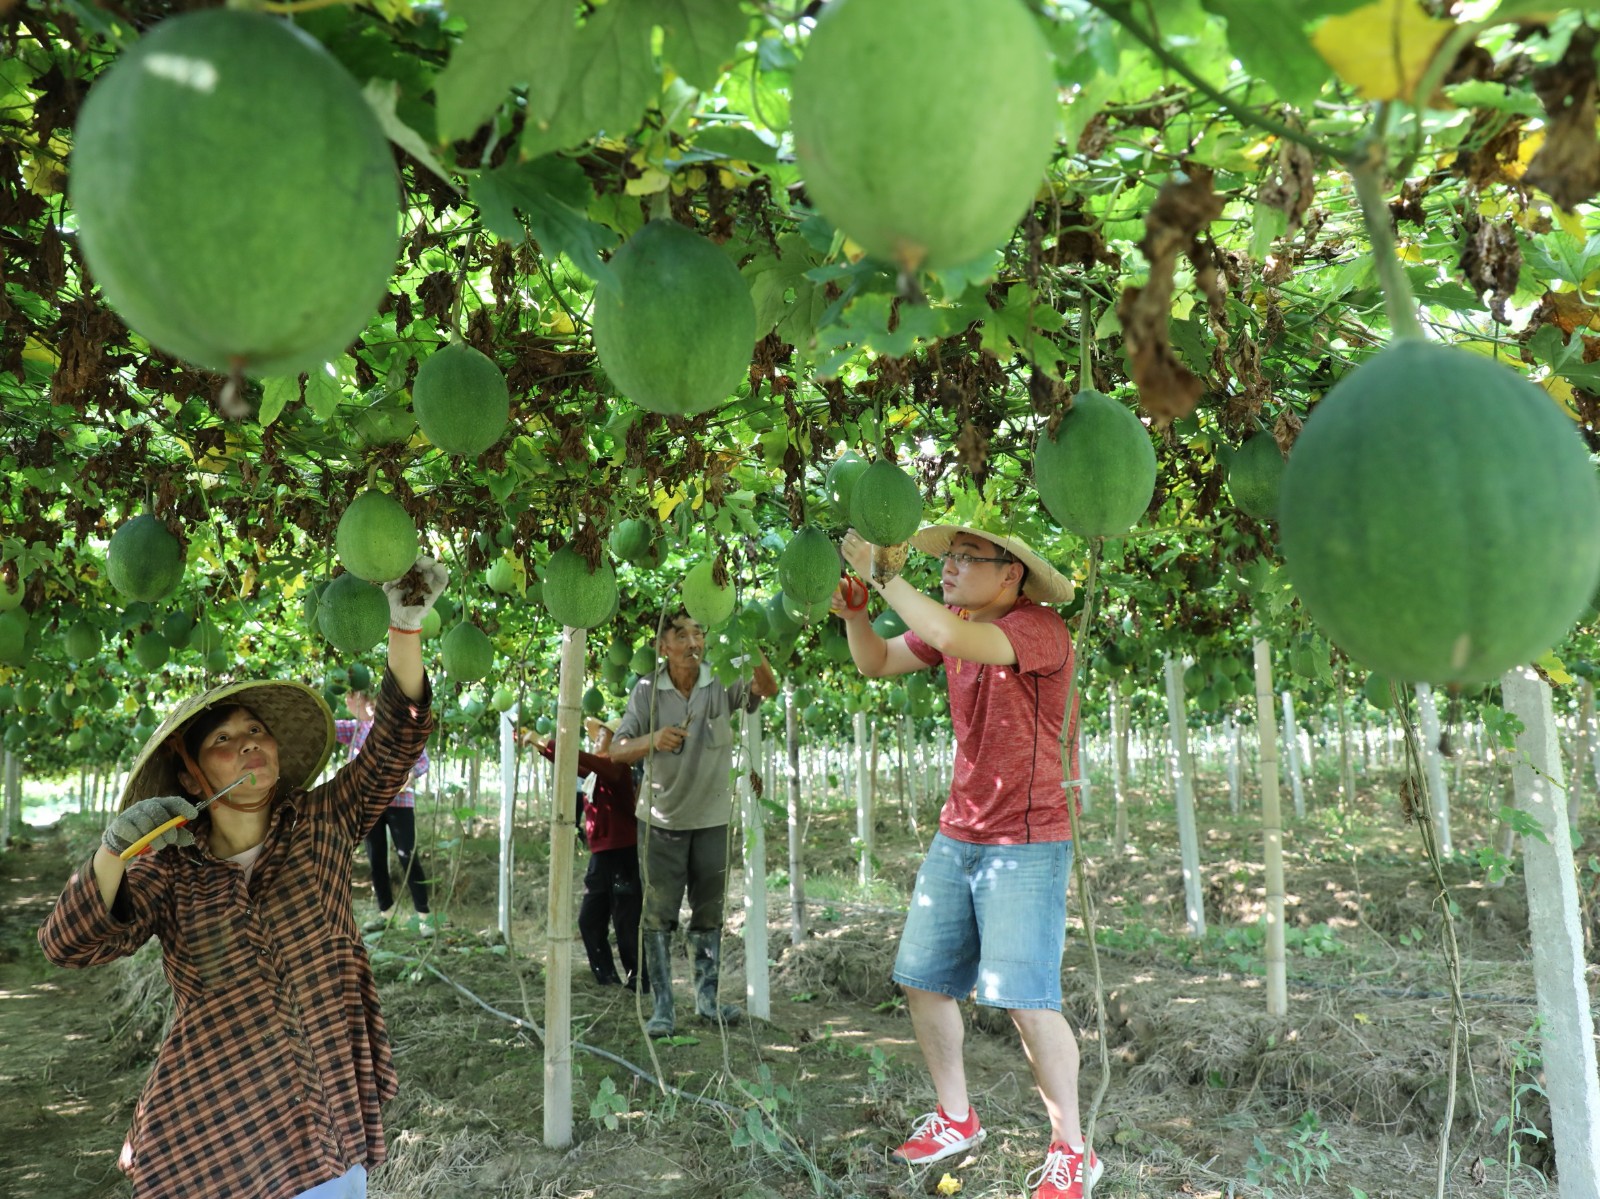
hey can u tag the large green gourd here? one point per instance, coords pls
(1096, 474)
(923, 127)
(466, 653)
(144, 561)
(676, 328)
(1439, 516)
(809, 568)
(885, 505)
(575, 595)
(353, 614)
(707, 603)
(461, 400)
(1255, 476)
(375, 538)
(236, 197)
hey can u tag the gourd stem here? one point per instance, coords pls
(1086, 347)
(1397, 297)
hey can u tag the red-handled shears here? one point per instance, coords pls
(855, 593)
(142, 845)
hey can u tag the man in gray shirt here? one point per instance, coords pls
(679, 721)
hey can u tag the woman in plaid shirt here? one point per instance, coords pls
(269, 1084)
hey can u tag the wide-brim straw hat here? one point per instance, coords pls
(295, 715)
(1045, 585)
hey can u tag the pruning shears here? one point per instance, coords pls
(855, 593)
(142, 845)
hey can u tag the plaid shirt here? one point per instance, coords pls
(278, 1059)
(354, 733)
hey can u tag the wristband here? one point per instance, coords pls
(394, 628)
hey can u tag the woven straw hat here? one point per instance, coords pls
(1045, 585)
(294, 714)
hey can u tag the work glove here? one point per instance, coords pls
(138, 819)
(413, 593)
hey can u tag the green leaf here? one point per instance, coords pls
(505, 43)
(1270, 41)
(382, 95)
(1559, 255)
(275, 396)
(698, 37)
(323, 392)
(1022, 324)
(737, 142)
(1565, 358)
(599, 83)
(553, 193)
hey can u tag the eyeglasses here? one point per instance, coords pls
(961, 560)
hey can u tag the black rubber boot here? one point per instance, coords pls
(658, 967)
(707, 944)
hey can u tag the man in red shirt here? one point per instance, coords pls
(990, 906)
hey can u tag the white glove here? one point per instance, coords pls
(413, 593)
(140, 818)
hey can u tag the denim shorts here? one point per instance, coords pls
(350, 1185)
(990, 917)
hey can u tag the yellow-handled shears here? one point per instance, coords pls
(142, 845)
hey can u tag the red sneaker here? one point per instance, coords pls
(936, 1137)
(1063, 1174)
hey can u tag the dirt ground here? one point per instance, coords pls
(1204, 1093)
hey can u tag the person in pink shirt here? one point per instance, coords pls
(399, 820)
(989, 911)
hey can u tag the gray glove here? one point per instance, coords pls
(413, 593)
(140, 818)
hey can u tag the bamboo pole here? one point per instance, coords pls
(1188, 839)
(558, 929)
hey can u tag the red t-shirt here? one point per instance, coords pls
(608, 820)
(1006, 788)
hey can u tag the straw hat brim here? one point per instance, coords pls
(295, 715)
(1045, 585)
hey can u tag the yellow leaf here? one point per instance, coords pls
(665, 502)
(1381, 49)
(34, 350)
(560, 323)
(653, 180)
(948, 1185)
(1554, 667)
(1561, 392)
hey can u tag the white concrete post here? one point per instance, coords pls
(1433, 764)
(1291, 749)
(1571, 1079)
(864, 819)
(757, 993)
(508, 809)
(1188, 840)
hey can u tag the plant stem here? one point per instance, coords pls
(1086, 355)
(1397, 297)
(1123, 15)
(1085, 900)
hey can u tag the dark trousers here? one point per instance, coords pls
(401, 824)
(611, 896)
(692, 862)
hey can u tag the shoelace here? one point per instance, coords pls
(935, 1124)
(1058, 1169)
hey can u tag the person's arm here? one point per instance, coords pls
(101, 918)
(930, 620)
(410, 597)
(628, 750)
(764, 683)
